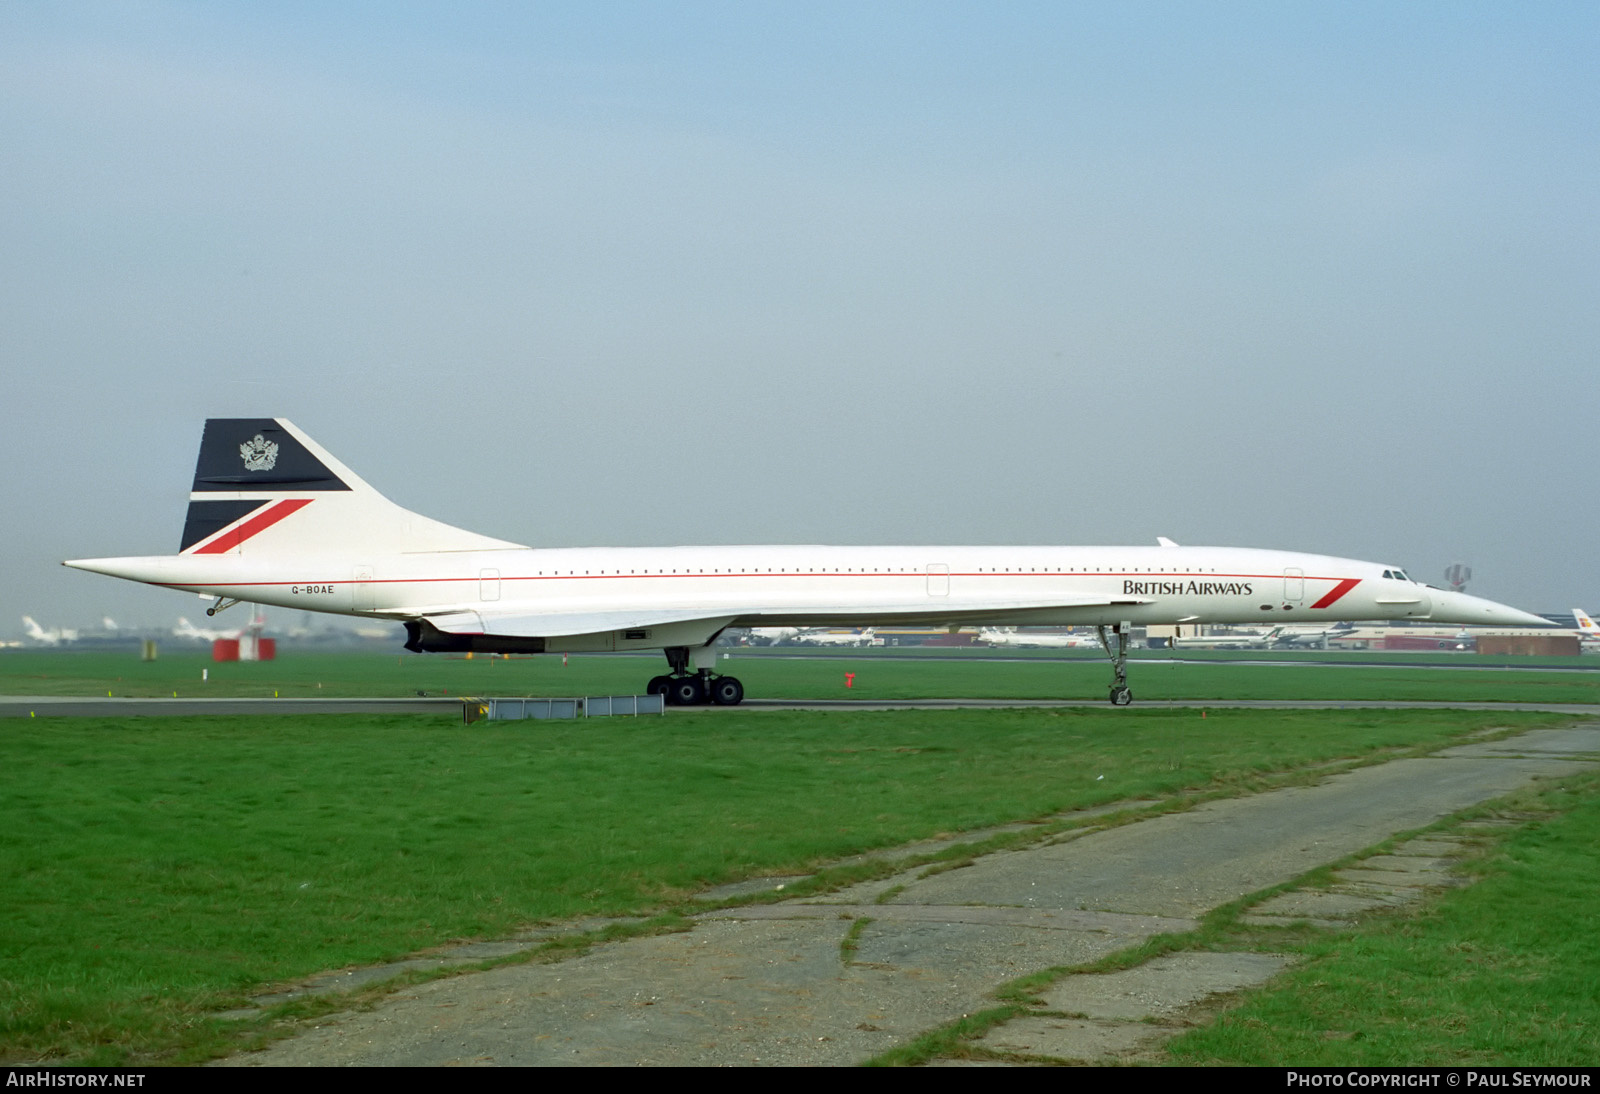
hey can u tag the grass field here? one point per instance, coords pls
(877, 675)
(1500, 973)
(161, 870)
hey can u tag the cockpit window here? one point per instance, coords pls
(1397, 575)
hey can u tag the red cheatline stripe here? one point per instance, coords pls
(1337, 591)
(261, 521)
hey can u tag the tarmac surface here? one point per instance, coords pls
(57, 706)
(74, 706)
(840, 978)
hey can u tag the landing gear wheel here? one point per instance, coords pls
(658, 685)
(685, 691)
(726, 691)
(1121, 697)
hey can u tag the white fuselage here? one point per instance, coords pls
(829, 586)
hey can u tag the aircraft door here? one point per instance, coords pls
(1294, 585)
(938, 579)
(488, 584)
(361, 599)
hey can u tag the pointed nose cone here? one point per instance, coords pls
(93, 565)
(1460, 608)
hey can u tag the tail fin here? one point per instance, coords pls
(262, 486)
(1586, 624)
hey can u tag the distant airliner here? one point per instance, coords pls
(1011, 638)
(53, 636)
(275, 519)
(1588, 630)
(1234, 640)
(834, 638)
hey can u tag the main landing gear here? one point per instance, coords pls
(1121, 694)
(686, 687)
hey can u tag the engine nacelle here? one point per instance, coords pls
(423, 637)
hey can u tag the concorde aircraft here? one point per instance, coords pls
(275, 519)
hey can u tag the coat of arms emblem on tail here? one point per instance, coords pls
(259, 453)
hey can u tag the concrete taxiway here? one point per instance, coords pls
(837, 979)
(63, 706)
(48, 706)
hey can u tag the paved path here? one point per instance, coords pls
(76, 706)
(59, 706)
(771, 985)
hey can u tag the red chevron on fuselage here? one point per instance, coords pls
(1337, 591)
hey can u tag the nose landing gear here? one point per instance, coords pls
(1121, 694)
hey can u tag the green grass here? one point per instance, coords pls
(160, 869)
(877, 675)
(1501, 973)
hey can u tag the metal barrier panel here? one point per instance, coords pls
(594, 706)
(601, 706)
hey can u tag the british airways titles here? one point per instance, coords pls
(1188, 588)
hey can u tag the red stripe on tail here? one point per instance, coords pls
(260, 522)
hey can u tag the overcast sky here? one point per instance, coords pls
(1312, 276)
